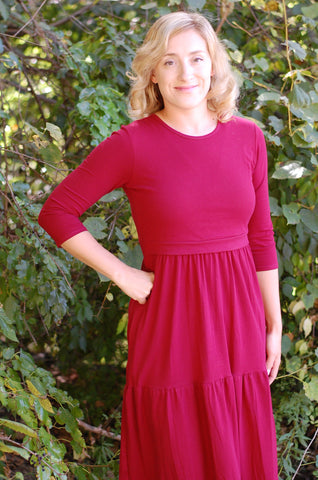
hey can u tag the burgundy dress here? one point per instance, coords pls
(197, 402)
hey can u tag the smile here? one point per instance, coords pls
(186, 88)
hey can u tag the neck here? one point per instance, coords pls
(193, 123)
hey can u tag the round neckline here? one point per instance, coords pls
(185, 135)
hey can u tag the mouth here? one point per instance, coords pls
(185, 88)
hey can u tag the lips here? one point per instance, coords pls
(186, 88)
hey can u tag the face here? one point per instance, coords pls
(184, 73)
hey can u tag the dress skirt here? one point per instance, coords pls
(197, 402)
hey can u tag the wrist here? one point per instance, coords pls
(119, 272)
(274, 326)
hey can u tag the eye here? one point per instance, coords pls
(169, 63)
(198, 59)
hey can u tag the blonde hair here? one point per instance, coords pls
(145, 97)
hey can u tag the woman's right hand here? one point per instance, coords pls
(137, 284)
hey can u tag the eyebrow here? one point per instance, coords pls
(169, 54)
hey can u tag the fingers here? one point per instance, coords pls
(147, 287)
(273, 351)
(272, 366)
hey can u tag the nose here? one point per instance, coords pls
(185, 70)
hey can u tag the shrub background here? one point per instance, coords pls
(63, 346)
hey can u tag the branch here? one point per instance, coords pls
(34, 93)
(289, 63)
(99, 431)
(227, 8)
(31, 19)
(26, 222)
(30, 452)
(19, 87)
(257, 21)
(27, 326)
(75, 14)
(305, 453)
(60, 170)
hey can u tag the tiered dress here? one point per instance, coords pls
(197, 402)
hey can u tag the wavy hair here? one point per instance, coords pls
(145, 97)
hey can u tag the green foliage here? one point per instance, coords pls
(28, 393)
(63, 90)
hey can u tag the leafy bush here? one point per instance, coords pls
(63, 89)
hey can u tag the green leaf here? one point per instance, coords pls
(32, 388)
(298, 50)
(15, 61)
(102, 277)
(51, 154)
(15, 450)
(24, 363)
(237, 56)
(56, 449)
(43, 473)
(309, 300)
(55, 132)
(276, 123)
(112, 196)
(18, 427)
(4, 11)
(134, 257)
(84, 108)
(40, 411)
(123, 247)
(79, 471)
(20, 187)
(290, 170)
(293, 364)
(262, 63)
(11, 305)
(122, 324)
(310, 218)
(286, 344)
(95, 226)
(276, 210)
(310, 11)
(307, 326)
(291, 213)
(269, 97)
(274, 139)
(196, 4)
(87, 92)
(309, 134)
(149, 5)
(309, 114)
(8, 353)
(49, 262)
(18, 476)
(299, 97)
(311, 389)
(5, 328)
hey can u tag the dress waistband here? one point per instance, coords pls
(183, 248)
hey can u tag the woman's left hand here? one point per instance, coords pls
(273, 353)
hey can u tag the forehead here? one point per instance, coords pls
(187, 40)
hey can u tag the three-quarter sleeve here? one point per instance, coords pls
(106, 168)
(260, 228)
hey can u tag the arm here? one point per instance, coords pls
(137, 284)
(107, 167)
(268, 282)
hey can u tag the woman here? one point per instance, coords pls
(204, 318)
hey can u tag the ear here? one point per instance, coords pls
(153, 78)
